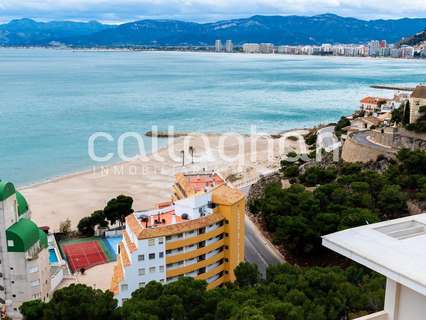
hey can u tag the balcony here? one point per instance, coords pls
(382, 315)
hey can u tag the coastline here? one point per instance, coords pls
(147, 179)
(178, 135)
(154, 50)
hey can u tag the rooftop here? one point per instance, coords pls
(393, 248)
(197, 182)
(160, 219)
(373, 100)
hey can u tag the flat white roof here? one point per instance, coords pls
(395, 248)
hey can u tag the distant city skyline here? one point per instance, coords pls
(119, 11)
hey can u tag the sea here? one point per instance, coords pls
(52, 101)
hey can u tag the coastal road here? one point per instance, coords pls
(258, 249)
(362, 138)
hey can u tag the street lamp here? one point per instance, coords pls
(183, 157)
(191, 151)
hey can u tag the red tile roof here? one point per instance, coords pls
(373, 100)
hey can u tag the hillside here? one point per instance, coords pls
(327, 28)
(30, 32)
(414, 40)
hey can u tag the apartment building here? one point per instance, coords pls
(372, 104)
(395, 249)
(218, 46)
(200, 234)
(25, 270)
(229, 46)
(251, 48)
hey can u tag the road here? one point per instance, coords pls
(258, 249)
(362, 138)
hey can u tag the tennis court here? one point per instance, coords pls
(85, 253)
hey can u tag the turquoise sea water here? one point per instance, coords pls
(51, 101)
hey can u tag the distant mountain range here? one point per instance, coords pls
(326, 28)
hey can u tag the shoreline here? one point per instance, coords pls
(148, 178)
(135, 50)
(178, 135)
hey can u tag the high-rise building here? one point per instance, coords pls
(218, 46)
(229, 46)
(373, 48)
(395, 249)
(25, 270)
(200, 234)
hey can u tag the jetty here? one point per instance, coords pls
(391, 87)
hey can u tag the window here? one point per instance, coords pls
(152, 270)
(35, 283)
(141, 284)
(160, 241)
(141, 271)
(33, 270)
(151, 242)
(10, 243)
(151, 256)
(124, 287)
(141, 257)
(161, 254)
(161, 268)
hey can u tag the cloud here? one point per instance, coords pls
(203, 10)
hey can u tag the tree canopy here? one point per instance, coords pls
(288, 293)
(345, 196)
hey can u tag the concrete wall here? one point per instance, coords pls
(399, 138)
(354, 152)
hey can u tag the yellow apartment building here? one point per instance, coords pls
(199, 233)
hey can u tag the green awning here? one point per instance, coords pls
(6, 190)
(22, 203)
(22, 235)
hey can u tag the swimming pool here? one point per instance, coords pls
(53, 258)
(113, 242)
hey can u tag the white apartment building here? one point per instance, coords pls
(251, 48)
(397, 250)
(229, 46)
(25, 270)
(218, 46)
(266, 48)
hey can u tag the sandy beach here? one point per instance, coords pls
(148, 179)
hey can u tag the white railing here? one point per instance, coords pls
(213, 253)
(56, 280)
(153, 212)
(214, 278)
(113, 233)
(212, 266)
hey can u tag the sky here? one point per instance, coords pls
(117, 11)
